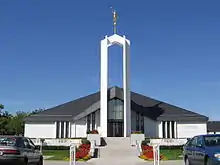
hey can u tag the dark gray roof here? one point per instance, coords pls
(154, 109)
(213, 126)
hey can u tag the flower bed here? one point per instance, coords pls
(147, 153)
(82, 152)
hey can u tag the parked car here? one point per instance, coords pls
(19, 151)
(202, 150)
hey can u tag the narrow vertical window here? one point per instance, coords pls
(62, 129)
(163, 129)
(137, 121)
(88, 122)
(142, 123)
(93, 120)
(67, 129)
(168, 130)
(57, 129)
(173, 129)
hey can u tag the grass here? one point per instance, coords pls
(57, 154)
(171, 154)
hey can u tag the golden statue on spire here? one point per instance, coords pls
(115, 18)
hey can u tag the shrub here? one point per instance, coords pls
(54, 147)
(145, 142)
(93, 132)
(85, 141)
(136, 132)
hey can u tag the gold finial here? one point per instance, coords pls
(115, 18)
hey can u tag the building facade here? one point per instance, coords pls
(154, 118)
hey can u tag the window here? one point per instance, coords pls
(67, 129)
(93, 120)
(142, 123)
(212, 140)
(62, 129)
(163, 129)
(168, 130)
(199, 141)
(88, 122)
(31, 143)
(20, 143)
(57, 129)
(173, 129)
(7, 141)
(26, 144)
(115, 109)
(193, 142)
(137, 121)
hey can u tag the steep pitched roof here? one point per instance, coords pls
(154, 109)
(213, 126)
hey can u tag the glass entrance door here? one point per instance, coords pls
(115, 129)
(115, 118)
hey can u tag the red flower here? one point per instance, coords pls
(147, 151)
(82, 151)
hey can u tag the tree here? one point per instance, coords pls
(5, 118)
(36, 111)
(1, 107)
(16, 124)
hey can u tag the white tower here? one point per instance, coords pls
(105, 44)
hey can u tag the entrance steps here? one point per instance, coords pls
(117, 151)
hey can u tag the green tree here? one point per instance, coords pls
(16, 124)
(5, 118)
(36, 111)
(1, 107)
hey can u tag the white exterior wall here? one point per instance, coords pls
(97, 121)
(150, 127)
(79, 128)
(40, 130)
(190, 129)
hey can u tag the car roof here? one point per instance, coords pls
(208, 135)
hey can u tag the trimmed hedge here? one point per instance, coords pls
(83, 141)
(54, 147)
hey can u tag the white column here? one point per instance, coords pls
(64, 129)
(60, 129)
(91, 122)
(126, 88)
(160, 129)
(105, 43)
(70, 125)
(170, 129)
(104, 87)
(165, 129)
(175, 130)
(55, 129)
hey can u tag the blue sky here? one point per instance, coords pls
(49, 51)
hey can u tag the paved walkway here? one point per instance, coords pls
(179, 162)
(117, 152)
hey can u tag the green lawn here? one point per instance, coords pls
(172, 154)
(57, 154)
